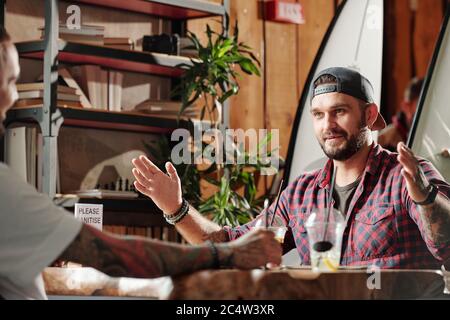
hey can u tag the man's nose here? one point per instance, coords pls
(329, 122)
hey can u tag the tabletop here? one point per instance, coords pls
(274, 284)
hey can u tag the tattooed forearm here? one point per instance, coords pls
(436, 219)
(131, 257)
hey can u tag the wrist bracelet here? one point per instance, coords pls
(432, 193)
(215, 254)
(179, 215)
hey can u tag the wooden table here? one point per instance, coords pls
(254, 284)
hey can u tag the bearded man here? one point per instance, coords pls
(396, 206)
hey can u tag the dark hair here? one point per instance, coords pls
(325, 79)
(413, 89)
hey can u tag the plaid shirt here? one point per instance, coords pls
(383, 226)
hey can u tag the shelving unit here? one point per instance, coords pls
(52, 51)
(101, 119)
(171, 9)
(126, 60)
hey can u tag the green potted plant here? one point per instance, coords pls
(212, 79)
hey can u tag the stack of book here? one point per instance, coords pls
(103, 87)
(85, 86)
(165, 108)
(67, 78)
(86, 34)
(32, 94)
(119, 43)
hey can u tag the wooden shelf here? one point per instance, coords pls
(101, 119)
(172, 9)
(126, 60)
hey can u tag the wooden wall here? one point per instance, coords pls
(411, 31)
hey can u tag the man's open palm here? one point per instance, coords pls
(164, 189)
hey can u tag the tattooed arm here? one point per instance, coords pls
(436, 220)
(435, 217)
(146, 258)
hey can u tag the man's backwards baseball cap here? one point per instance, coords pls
(349, 82)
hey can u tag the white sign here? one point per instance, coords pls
(91, 214)
(291, 12)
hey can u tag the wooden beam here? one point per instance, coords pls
(428, 20)
(318, 15)
(247, 108)
(397, 65)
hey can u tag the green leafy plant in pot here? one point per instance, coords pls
(211, 79)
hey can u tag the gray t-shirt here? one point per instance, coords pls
(343, 196)
(33, 233)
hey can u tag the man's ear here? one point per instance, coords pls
(371, 114)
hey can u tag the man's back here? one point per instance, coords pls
(33, 233)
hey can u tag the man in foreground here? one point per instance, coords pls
(34, 232)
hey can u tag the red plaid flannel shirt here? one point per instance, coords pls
(383, 223)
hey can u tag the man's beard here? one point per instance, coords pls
(351, 145)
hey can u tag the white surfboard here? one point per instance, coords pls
(354, 39)
(430, 133)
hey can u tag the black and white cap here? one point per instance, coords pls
(349, 82)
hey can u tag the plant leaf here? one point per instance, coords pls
(248, 67)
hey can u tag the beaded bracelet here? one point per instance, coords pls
(180, 214)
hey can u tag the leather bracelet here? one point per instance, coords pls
(432, 194)
(179, 215)
(215, 254)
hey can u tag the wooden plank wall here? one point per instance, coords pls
(411, 31)
(428, 20)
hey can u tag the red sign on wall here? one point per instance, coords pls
(283, 11)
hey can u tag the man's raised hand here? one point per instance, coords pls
(164, 189)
